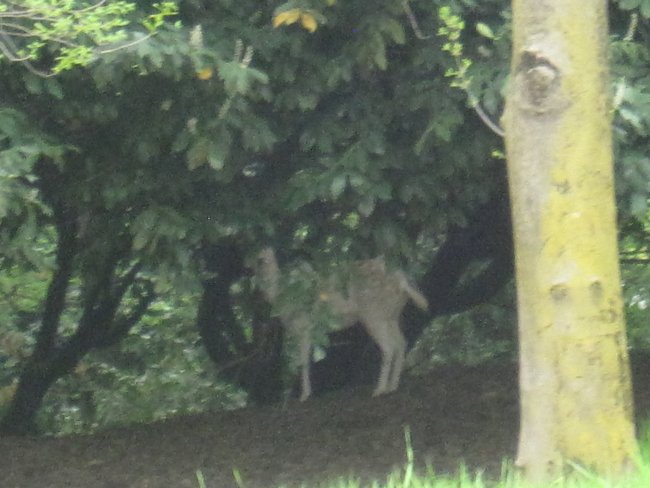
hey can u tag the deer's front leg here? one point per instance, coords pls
(305, 359)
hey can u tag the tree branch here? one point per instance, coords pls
(66, 225)
(123, 324)
(413, 21)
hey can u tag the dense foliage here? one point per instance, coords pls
(131, 190)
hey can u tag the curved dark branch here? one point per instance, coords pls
(66, 225)
(122, 324)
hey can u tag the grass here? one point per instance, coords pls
(579, 478)
(408, 478)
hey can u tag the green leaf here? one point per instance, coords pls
(33, 84)
(633, 118)
(484, 30)
(383, 190)
(379, 57)
(53, 87)
(357, 181)
(198, 153)
(307, 101)
(235, 77)
(367, 206)
(629, 4)
(181, 142)
(338, 185)
(257, 75)
(216, 155)
(394, 29)
(144, 228)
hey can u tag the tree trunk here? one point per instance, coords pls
(20, 417)
(100, 324)
(574, 369)
(253, 363)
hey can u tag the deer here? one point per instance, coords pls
(373, 296)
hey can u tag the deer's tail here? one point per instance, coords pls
(413, 293)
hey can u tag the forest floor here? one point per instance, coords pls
(455, 415)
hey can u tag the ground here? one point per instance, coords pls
(454, 415)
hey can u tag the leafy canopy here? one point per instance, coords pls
(69, 32)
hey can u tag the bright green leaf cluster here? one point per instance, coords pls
(155, 20)
(452, 29)
(73, 33)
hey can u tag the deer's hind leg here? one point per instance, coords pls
(379, 332)
(399, 354)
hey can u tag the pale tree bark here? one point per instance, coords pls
(576, 404)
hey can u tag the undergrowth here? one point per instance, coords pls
(407, 477)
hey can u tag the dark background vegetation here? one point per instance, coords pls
(133, 192)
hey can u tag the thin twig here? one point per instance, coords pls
(37, 15)
(125, 45)
(8, 48)
(91, 7)
(23, 32)
(631, 29)
(413, 21)
(476, 105)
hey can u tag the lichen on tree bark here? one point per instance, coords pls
(574, 370)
